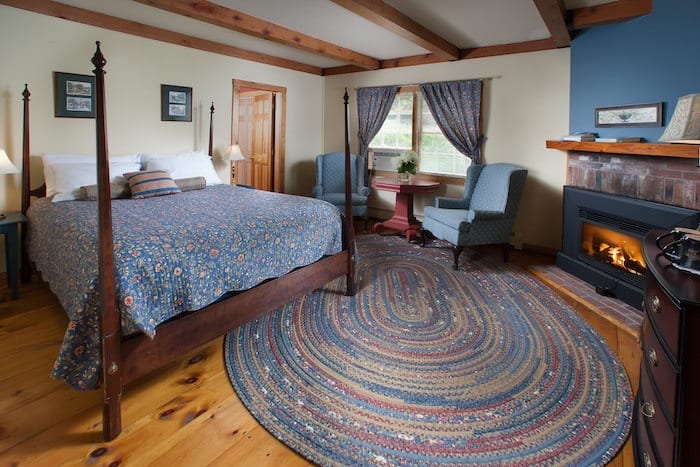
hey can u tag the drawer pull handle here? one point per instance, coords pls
(648, 410)
(652, 358)
(655, 304)
(646, 459)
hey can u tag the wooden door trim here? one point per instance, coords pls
(279, 127)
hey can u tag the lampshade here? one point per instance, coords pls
(6, 165)
(684, 126)
(234, 153)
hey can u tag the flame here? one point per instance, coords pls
(612, 247)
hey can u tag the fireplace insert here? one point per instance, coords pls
(602, 239)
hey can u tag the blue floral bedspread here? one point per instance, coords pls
(172, 254)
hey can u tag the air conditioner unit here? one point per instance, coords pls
(384, 159)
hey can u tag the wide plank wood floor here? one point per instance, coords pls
(184, 414)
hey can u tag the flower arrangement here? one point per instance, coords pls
(407, 162)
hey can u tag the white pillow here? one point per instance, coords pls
(71, 158)
(149, 157)
(66, 178)
(185, 166)
(50, 160)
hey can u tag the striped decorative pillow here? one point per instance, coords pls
(150, 183)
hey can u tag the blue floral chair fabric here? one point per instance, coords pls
(330, 182)
(484, 215)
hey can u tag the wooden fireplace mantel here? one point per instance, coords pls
(684, 151)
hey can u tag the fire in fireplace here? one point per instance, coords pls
(602, 239)
(617, 250)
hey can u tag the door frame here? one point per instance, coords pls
(279, 127)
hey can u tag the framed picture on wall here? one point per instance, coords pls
(639, 115)
(175, 103)
(74, 95)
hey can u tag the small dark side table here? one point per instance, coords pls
(9, 226)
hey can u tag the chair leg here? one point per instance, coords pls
(506, 252)
(426, 236)
(456, 251)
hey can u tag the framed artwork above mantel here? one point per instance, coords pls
(639, 115)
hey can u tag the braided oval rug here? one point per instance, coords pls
(430, 366)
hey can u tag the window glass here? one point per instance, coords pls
(397, 130)
(436, 154)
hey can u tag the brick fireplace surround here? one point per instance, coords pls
(665, 180)
(668, 180)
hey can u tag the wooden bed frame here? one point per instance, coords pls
(125, 358)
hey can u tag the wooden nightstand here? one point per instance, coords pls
(10, 227)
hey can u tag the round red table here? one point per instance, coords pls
(403, 218)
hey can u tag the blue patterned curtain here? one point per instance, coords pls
(373, 106)
(456, 106)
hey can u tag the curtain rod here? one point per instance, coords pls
(487, 78)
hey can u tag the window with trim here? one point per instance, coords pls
(411, 126)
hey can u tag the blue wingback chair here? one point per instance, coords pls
(330, 182)
(484, 215)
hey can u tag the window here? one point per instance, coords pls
(437, 155)
(397, 130)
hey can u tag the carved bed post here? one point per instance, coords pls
(211, 130)
(26, 270)
(349, 224)
(110, 326)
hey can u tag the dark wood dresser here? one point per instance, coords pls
(666, 426)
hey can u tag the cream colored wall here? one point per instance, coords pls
(525, 102)
(32, 46)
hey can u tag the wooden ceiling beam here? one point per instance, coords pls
(507, 49)
(393, 20)
(607, 13)
(221, 16)
(112, 23)
(553, 14)
(465, 54)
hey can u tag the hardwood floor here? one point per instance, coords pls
(184, 414)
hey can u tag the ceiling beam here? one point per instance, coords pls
(507, 49)
(393, 20)
(553, 14)
(221, 16)
(607, 13)
(112, 23)
(465, 54)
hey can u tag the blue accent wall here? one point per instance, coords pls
(655, 58)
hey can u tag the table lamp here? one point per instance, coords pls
(6, 167)
(684, 126)
(234, 155)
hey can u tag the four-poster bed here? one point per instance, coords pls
(125, 355)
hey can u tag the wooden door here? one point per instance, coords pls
(258, 127)
(242, 169)
(261, 142)
(242, 173)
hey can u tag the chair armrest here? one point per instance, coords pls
(450, 203)
(317, 191)
(483, 215)
(364, 191)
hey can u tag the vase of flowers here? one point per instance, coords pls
(406, 165)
